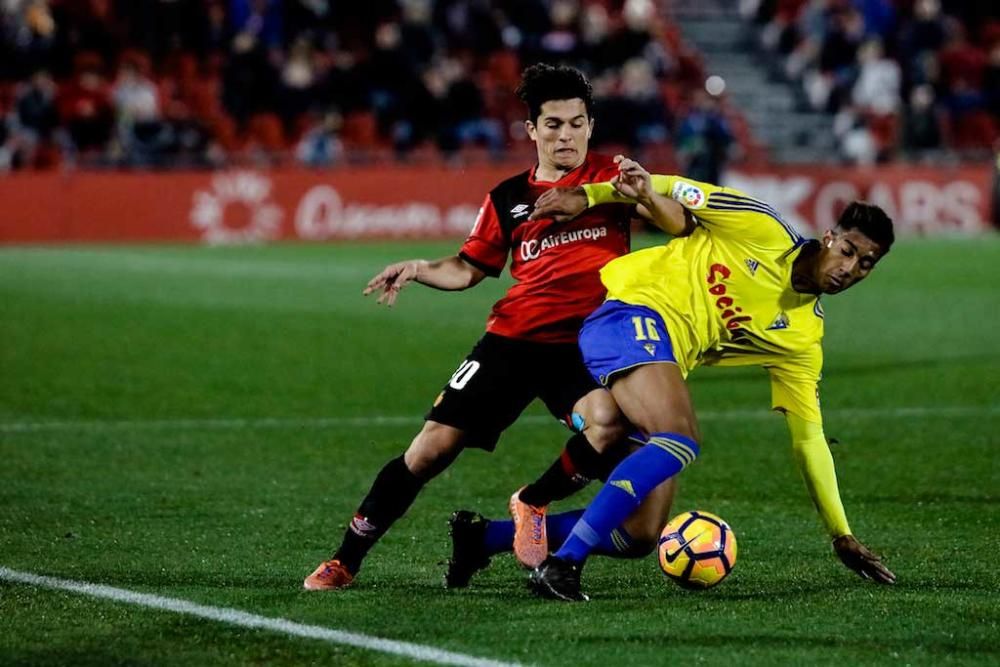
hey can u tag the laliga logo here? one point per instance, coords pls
(243, 191)
(529, 250)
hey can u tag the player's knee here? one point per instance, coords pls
(433, 449)
(604, 424)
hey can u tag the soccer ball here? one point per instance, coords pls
(697, 550)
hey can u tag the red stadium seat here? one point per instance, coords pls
(265, 131)
(360, 130)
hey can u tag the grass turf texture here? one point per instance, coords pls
(105, 349)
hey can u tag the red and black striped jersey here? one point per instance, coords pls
(555, 265)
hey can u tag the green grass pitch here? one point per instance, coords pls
(200, 423)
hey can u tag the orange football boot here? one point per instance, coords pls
(329, 576)
(531, 544)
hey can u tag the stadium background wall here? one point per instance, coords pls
(422, 202)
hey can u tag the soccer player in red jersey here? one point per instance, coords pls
(530, 347)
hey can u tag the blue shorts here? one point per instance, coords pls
(619, 336)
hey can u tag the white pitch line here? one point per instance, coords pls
(247, 620)
(237, 423)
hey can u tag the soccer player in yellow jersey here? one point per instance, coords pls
(737, 287)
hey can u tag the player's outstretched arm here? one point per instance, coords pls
(448, 273)
(812, 454)
(635, 183)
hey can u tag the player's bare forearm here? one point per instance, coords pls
(448, 273)
(666, 214)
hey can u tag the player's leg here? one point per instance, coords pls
(636, 537)
(599, 428)
(468, 413)
(395, 488)
(628, 346)
(574, 397)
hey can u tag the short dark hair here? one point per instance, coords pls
(871, 221)
(542, 83)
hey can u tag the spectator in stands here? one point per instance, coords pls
(837, 62)
(922, 121)
(259, 18)
(920, 39)
(142, 136)
(464, 119)
(248, 80)
(33, 121)
(299, 82)
(855, 140)
(704, 139)
(634, 101)
(30, 33)
(562, 41)
(85, 108)
(387, 73)
(416, 32)
(877, 88)
(469, 25)
(321, 145)
(876, 94)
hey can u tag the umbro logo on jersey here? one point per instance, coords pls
(520, 210)
(649, 347)
(752, 264)
(780, 322)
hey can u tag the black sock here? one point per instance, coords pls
(576, 466)
(394, 490)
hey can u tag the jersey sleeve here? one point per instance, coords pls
(795, 384)
(728, 211)
(487, 246)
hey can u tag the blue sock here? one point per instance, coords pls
(499, 537)
(664, 455)
(500, 534)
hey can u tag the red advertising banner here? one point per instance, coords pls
(247, 206)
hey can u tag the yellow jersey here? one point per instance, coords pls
(725, 292)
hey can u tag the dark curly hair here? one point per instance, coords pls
(871, 221)
(541, 83)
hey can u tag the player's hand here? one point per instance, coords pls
(632, 180)
(560, 204)
(391, 280)
(857, 557)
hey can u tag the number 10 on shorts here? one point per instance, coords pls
(464, 373)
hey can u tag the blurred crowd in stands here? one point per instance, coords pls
(208, 82)
(202, 83)
(908, 78)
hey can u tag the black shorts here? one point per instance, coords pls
(498, 380)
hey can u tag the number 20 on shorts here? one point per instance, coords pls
(645, 328)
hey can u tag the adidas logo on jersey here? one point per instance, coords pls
(780, 322)
(520, 210)
(752, 264)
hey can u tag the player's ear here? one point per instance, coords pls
(590, 128)
(829, 236)
(529, 127)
